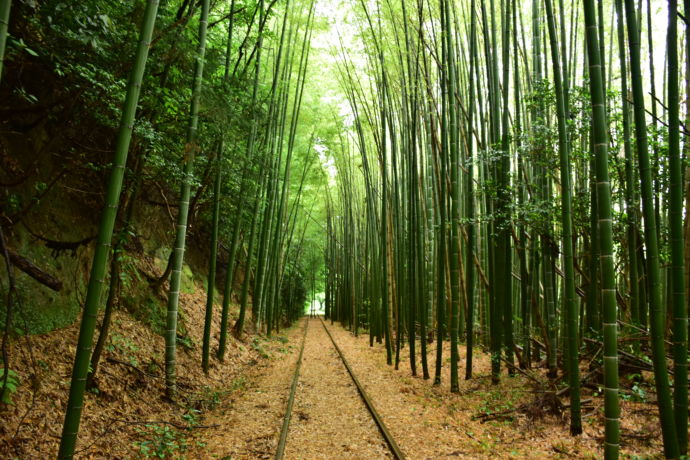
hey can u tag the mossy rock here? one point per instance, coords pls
(38, 309)
(187, 280)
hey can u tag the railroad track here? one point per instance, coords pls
(291, 399)
(395, 450)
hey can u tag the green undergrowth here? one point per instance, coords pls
(173, 440)
(497, 401)
(258, 344)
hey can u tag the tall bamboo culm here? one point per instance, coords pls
(604, 236)
(680, 313)
(80, 368)
(572, 355)
(651, 232)
(5, 6)
(190, 150)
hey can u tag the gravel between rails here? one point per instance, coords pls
(247, 423)
(329, 418)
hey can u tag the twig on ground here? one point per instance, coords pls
(125, 363)
(522, 371)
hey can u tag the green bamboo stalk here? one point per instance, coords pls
(210, 291)
(5, 6)
(656, 313)
(593, 313)
(469, 196)
(655, 132)
(228, 46)
(567, 226)
(232, 267)
(80, 369)
(630, 208)
(278, 97)
(385, 247)
(453, 153)
(230, 272)
(190, 149)
(429, 250)
(605, 236)
(277, 249)
(493, 201)
(680, 315)
(115, 267)
(441, 285)
(505, 230)
(521, 186)
(238, 328)
(414, 284)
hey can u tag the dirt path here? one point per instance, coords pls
(247, 424)
(329, 418)
(330, 421)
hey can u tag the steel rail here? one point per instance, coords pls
(291, 399)
(397, 453)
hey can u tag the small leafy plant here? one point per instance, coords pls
(162, 441)
(10, 386)
(256, 345)
(637, 394)
(125, 346)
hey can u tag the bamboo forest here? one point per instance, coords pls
(333, 229)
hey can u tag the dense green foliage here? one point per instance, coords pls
(545, 216)
(69, 128)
